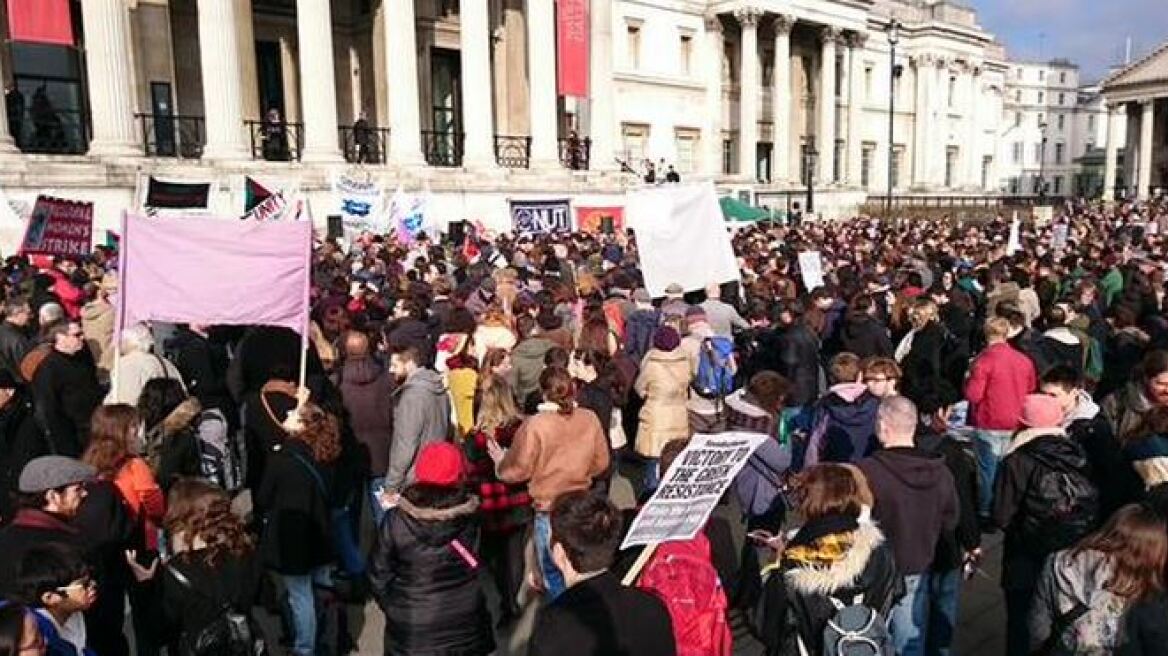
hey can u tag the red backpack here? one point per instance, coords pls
(616, 320)
(680, 573)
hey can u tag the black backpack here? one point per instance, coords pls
(233, 633)
(1060, 504)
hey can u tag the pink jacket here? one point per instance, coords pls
(1000, 378)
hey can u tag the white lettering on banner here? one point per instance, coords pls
(692, 488)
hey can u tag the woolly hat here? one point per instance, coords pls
(666, 339)
(440, 464)
(1041, 411)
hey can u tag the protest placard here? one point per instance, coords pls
(63, 228)
(541, 216)
(360, 204)
(1059, 240)
(811, 268)
(608, 220)
(691, 489)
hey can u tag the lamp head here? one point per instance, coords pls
(894, 31)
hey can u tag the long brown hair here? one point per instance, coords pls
(1135, 541)
(198, 509)
(555, 383)
(110, 431)
(496, 403)
(832, 489)
(321, 432)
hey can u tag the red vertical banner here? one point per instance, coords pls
(40, 21)
(572, 47)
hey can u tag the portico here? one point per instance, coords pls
(1137, 97)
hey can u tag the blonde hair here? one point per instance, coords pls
(496, 403)
(923, 311)
(997, 328)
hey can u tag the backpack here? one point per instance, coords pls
(1093, 360)
(220, 460)
(854, 630)
(681, 575)
(232, 633)
(715, 377)
(1060, 505)
(616, 320)
(639, 331)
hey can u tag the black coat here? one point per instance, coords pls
(799, 359)
(922, 366)
(66, 392)
(295, 536)
(1117, 482)
(203, 366)
(32, 528)
(963, 466)
(600, 617)
(866, 337)
(21, 440)
(1144, 631)
(261, 431)
(235, 581)
(432, 596)
(14, 345)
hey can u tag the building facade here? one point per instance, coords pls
(1137, 104)
(459, 98)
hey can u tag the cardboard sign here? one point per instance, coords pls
(607, 220)
(692, 488)
(811, 268)
(59, 227)
(541, 216)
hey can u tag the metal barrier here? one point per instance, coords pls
(172, 135)
(442, 148)
(575, 153)
(276, 141)
(513, 152)
(51, 131)
(364, 144)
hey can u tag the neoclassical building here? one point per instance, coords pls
(1137, 102)
(459, 98)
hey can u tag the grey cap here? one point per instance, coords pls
(641, 295)
(51, 472)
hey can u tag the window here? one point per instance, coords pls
(729, 155)
(1059, 152)
(1037, 153)
(686, 144)
(952, 91)
(867, 152)
(1062, 98)
(1017, 119)
(1062, 122)
(728, 53)
(1015, 185)
(987, 164)
(897, 162)
(633, 45)
(633, 139)
(686, 52)
(1041, 120)
(1058, 185)
(1018, 96)
(1063, 77)
(1042, 76)
(1041, 97)
(1090, 122)
(867, 80)
(950, 165)
(1016, 152)
(1018, 73)
(838, 161)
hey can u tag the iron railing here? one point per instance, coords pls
(513, 152)
(443, 148)
(276, 141)
(574, 153)
(364, 144)
(172, 135)
(51, 131)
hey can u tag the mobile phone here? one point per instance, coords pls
(760, 536)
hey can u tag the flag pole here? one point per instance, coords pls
(120, 309)
(302, 389)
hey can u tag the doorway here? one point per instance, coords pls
(445, 143)
(270, 75)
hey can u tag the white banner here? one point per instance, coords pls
(692, 488)
(360, 204)
(811, 267)
(681, 237)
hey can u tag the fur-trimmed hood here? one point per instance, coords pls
(843, 573)
(437, 526)
(463, 509)
(1024, 437)
(179, 419)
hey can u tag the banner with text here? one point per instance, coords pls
(692, 488)
(59, 227)
(608, 220)
(572, 64)
(172, 195)
(541, 216)
(360, 204)
(407, 215)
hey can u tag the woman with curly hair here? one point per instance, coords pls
(293, 503)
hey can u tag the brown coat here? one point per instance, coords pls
(664, 384)
(97, 320)
(555, 453)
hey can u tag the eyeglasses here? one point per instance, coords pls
(85, 583)
(891, 379)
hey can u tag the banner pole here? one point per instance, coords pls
(639, 564)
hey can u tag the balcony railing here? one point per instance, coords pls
(513, 152)
(276, 141)
(574, 153)
(442, 148)
(170, 135)
(364, 144)
(51, 131)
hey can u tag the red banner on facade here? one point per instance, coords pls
(608, 220)
(40, 21)
(572, 47)
(59, 227)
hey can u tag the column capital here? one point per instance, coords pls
(923, 60)
(748, 16)
(830, 34)
(857, 39)
(783, 24)
(713, 23)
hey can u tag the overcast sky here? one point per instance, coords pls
(1091, 33)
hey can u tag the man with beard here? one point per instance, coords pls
(65, 389)
(421, 414)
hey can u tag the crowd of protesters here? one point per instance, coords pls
(472, 410)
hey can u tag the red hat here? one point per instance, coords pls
(1041, 411)
(440, 464)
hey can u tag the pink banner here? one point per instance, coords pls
(40, 21)
(58, 227)
(195, 269)
(572, 47)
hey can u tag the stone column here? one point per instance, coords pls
(855, 90)
(111, 88)
(825, 136)
(477, 108)
(781, 97)
(405, 135)
(715, 52)
(602, 113)
(219, 57)
(749, 85)
(1110, 160)
(318, 86)
(923, 65)
(541, 29)
(972, 149)
(249, 78)
(1147, 127)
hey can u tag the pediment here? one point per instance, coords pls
(1151, 69)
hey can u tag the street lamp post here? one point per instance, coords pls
(893, 73)
(810, 156)
(1042, 161)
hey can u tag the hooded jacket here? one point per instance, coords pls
(664, 384)
(527, 360)
(865, 336)
(799, 357)
(999, 380)
(1125, 409)
(424, 572)
(421, 414)
(916, 503)
(367, 387)
(97, 320)
(1060, 346)
(1072, 579)
(759, 481)
(172, 447)
(844, 424)
(1114, 477)
(21, 440)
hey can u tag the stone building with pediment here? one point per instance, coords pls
(1137, 100)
